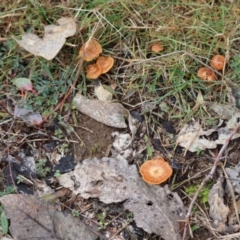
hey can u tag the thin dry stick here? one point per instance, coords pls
(208, 177)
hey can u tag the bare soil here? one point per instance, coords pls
(95, 138)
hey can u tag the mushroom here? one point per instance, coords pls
(155, 171)
(90, 50)
(157, 47)
(218, 62)
(206, 73)
(106, 63)
(93, 71)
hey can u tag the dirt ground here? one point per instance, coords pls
(94, 139)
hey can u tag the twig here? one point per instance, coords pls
(6, 121)
(208, 177)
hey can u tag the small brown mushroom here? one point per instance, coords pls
(155, 171)
(93, 71)
(206, 73)
(90, 50)
(106, 63)
(157, 47)
(218, 62)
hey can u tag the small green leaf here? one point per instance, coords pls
(149, 151)
(4, 223)
(195, 227)
(23, 83)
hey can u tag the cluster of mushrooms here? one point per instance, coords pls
(90, 51)
(153, 171)
(217, 62)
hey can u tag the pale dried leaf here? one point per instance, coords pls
(133, 124)
(155, 209)
(28, 116)
(101, 93)
(232, 115)
(122, 145)
(33, 218)
(234, 177)
(53, 39)
(194, 138)
(189, 138)
(224, 111)
(232, 217)
(218, 210)
(199, 101)
(108, 113)
(121, 141)
(233, 93)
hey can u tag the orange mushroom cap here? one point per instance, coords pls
(206, 73)
(90, 50)
(155, 171)
(93, 71)
(106, 63)
(157, 47)
(218, 62)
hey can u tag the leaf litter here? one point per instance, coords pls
(194, 138)
(218, 210)
(34, 218)
(53, 40)
(28, 116)
(110, 113)
(101, 93)
(156, 209)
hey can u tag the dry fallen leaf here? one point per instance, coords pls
(224, 111)
(233, 218)
(223, 217)
(53, 39)
(189, 138)
(133, 124)
(155, 209)
(233, 175)
(218, 210)
(101, 93)
(108, 113)
(33, 218)
(194, 138)
(28, 116)
(122, 145)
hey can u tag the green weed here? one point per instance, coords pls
(57, 173)
(203, 195)
(41, 169)
(4, 222)
(75, 213)
(95, 149)
(8, 190)
(102, 221)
